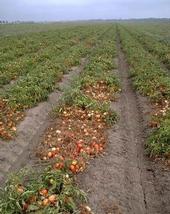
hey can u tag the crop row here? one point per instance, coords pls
(12, 47)
(79, 134)
(36, 85)
(15, 30)
(158, 30)
(151, 80)
(50, 46)
(158, 48)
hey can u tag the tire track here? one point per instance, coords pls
(155, 178)
(123, 180)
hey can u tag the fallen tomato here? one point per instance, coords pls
(46, 202)
(43, 192)
(52, 199)
(73, 168)
(50, 155)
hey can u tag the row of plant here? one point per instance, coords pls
(149, 78)
(158, 48)
(78, 133)
(160, 30)
(16, 29)
(36, 85)
(15, 46)
(48, 46)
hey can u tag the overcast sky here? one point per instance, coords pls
(53, 10)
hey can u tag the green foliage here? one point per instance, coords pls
(154, 44)
(58, 182)
(159, 142)
(151, 80)
(35, 85)
(97, 69)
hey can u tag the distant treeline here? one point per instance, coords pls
(16, 22)
(3, 22)
(90, 20)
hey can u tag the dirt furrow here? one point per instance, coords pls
(15, 154)
(154, 177)
(123, 180)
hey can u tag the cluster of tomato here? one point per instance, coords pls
(160, 111)
(8, 119)
(46, 198)
(79, 135)
(99, 91)
(43, 198)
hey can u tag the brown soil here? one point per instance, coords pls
(124, 180)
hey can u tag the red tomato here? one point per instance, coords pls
(73, 168)
(52, 198)
(79, 145)
(44, 192)
(96, 146)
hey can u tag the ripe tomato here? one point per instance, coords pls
(52, 198)
(59, 165)
(79, 145)
(44, 192)
(77, 168)
(73, 168)
(81, 150)
(88, 150)
(96, 146)
(46, 202)
(50, 154)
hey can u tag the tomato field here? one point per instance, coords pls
(85, 106)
